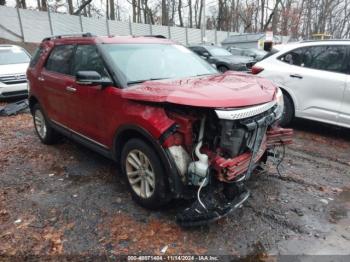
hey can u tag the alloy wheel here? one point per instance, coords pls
(140, 173)
(40, 124)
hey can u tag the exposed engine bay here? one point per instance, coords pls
(216, 151)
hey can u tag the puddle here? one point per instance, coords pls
(341, 207)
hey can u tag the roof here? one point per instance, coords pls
(88, 38)
(248, 38)
(243, 38)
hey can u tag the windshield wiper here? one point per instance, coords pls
(141, 81)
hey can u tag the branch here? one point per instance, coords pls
(77, 12)
(272, 14)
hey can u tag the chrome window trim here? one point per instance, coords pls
(241, 113)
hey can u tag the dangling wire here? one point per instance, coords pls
(281, 160)
(199, 192)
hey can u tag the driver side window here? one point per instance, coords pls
(88, 59)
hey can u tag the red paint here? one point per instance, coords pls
(231, 89)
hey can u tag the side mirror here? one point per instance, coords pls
(92, 78)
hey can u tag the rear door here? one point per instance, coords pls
(317, 78)
(57, 82)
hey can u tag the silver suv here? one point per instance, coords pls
(314, 78)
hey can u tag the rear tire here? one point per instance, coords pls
(145, 174)
(45, 132)
(222, 69)
(288, 111)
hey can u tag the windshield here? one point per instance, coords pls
(217, 51)
(13, 55)
(141, 62)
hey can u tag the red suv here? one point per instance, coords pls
(177, 127)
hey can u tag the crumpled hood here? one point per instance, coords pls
(231, 89)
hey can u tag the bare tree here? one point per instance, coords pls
(70, 7)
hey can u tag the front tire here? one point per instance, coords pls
(45, 132)
(145, 174)
(288, 111)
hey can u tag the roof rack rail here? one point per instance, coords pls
(156, 36)
(68, 35)
(325, 40)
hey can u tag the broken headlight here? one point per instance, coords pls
(280, 103)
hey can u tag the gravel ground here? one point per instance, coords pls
(66, 199)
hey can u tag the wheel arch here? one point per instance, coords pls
(290, 96)
(32, 101)
(126, 132)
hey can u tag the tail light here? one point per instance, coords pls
(256, 70)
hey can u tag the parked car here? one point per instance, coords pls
(223, 59)
(14, 61)
(254, 53)
(172, 122)
(314, 78)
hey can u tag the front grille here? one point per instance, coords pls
(238, 136)
(241, 113)
(14, 93)
(13, 79)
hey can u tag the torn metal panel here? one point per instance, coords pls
(14, 108)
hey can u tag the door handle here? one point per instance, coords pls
(71, 89)
(41, 79)
(296, 76)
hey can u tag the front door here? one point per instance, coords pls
(90, 110)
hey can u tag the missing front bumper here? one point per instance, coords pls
(216, 207)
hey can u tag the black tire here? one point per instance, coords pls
(160, 195)
(49, 136)
(222, 69)
(288, 111)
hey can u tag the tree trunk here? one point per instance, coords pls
(134, 11)
(81, 7)
(200, 14)
(111, 10)
(190, 13)
(23, 4)
(43, 5)
(165, 16)
(70, 7)
(38, 3)
(107, 9)
(180, 13)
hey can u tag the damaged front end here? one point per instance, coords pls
(215, 152)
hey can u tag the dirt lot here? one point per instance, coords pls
(65, 199)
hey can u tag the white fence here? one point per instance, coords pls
(32, 26)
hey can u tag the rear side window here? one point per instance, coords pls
(36, 56)
(87, 58)
(60, 58)
(328, 58)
